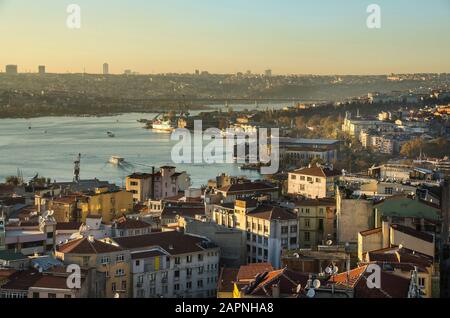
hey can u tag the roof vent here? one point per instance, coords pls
(171, 247)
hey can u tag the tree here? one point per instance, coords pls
(13, 180)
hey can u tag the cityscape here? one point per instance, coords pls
(214, 184)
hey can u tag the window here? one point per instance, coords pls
(176, 274)
(51, 295)
(302, 178)
(176, 287)
(189, 272)
(200, 283)
(67, 296)
(201, 269)
(284, 242)
(388, 191)
(293, 228)
(137, 263)
(200, 257)
(50, 235)
(307, 223)
(266, 229)
(321, 211)
(188, 285)
(152, 276)
(189, 259)
(284, 230)
(293, 240)
(120, 258)
(113, 287)
(318, 180)
(309, 179)
(104, 260)
(124, 285)
(164, 275)
(35, 295)
(177, 261)
(120, 272)
(307, 236)
(266, 241)
(86, 260)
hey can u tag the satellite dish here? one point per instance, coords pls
(328, 270)
(299, 289)
(311, 293)
(296, 255)
(329, 242)
(116, 295)
(316, 284)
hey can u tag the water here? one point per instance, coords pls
(51, 145)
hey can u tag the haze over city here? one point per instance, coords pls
(289, 36)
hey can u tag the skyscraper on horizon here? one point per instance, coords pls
(11, 69)
(41, 69)
(105, 69)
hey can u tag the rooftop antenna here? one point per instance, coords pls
(76, 169)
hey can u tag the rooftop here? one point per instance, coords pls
(87, 246)
(172, 242)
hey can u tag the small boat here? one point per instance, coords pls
(163, 125)
(115, 160)
(110, 134)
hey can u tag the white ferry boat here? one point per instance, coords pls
(163, 125)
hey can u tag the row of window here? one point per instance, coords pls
(105, 260)
(308, 179)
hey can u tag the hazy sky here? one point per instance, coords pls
(227, 36)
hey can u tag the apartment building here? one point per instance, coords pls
(268, 229)
(110, 261)
(313, 182)
(156, 186)
(172, 264)
(316, 220)
(106, 203)
(28, 238)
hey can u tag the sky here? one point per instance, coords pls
(227, 36)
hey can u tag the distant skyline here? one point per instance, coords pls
(327, 37)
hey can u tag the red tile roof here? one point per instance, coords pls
(392, 286)
(172, 242)
(249, 272)
(270, 213)
(86, 246)
(317, 172)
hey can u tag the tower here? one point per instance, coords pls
(76, 169)
(105, 69)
